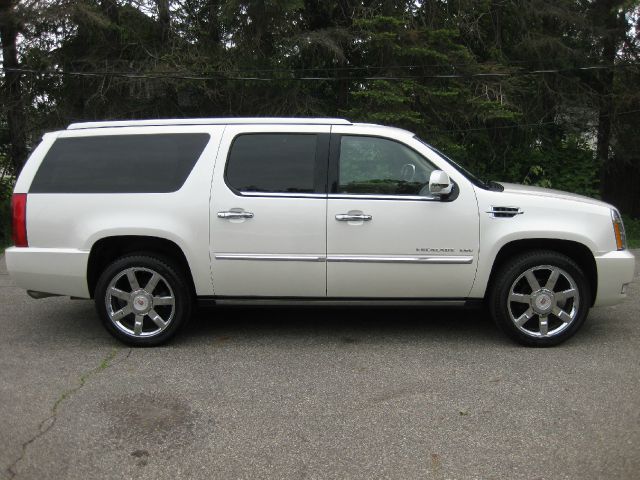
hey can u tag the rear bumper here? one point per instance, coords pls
(615, 269)
(62, 271)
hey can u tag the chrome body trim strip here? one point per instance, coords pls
(431, 259)
(421, 259)
(270, 257)
(338, 196)
(348, 196)
(283, 195)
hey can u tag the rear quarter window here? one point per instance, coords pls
(153, 163)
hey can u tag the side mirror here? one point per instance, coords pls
(439, 184)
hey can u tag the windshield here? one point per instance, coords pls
(470, 176)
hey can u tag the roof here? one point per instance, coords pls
(211, 121)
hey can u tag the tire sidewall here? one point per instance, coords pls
(164, 266)
(508, 274)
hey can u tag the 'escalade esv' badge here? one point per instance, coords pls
(444, 250)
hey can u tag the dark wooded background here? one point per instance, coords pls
(535, 91)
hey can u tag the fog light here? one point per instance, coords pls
(624, 289)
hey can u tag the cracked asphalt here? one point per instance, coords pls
(315, 393)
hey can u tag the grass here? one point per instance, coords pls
(632, 227)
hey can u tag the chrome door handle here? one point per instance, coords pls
(346, 217)
(234, 214)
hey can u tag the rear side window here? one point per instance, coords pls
(273, 162)
(156, 163)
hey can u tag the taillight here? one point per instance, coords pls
(19, 215)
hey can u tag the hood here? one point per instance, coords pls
(547, 192)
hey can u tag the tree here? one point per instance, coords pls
(457, 72)
(12, 91)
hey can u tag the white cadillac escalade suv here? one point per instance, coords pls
(148, 217)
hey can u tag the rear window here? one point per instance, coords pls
(156, 163)
(273, 162)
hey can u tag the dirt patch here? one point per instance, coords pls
(150, 418)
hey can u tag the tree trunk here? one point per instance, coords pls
(621, 186)
(164, 19)
(605, 112)
(263, 37)
(213, 11)
(610, 36)
(16, 120)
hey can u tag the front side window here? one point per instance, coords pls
(273, 162)
(372, 165)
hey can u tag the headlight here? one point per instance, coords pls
(618, 230)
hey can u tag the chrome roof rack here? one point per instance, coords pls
(211, 121)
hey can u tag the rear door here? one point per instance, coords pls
(268, 211)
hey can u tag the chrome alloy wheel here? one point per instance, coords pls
(543, 301)
(140, 311)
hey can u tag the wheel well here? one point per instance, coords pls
(108, 249)
(577, 252)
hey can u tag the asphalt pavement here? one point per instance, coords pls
(315, 393)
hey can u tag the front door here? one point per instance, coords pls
(386, 236)
(268, 211)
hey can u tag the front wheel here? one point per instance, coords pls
(540, 298)
(143, 300)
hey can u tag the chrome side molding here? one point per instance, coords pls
(270, 257)
(431, 259)
(418, 259)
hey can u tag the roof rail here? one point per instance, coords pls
(211, 121)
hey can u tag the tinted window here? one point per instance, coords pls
(371, 165)
(273, 162)
(119, 163)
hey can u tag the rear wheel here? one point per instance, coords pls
(143, 300)
(540, 298)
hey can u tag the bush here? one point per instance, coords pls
(632, 228)
(5, 214)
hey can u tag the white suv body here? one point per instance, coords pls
(361, 219)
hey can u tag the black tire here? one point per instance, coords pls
(552, 329)
(161, 319)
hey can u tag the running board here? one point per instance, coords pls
(339, 302)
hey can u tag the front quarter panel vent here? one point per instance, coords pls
(504, 212)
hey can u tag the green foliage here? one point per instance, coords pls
(632, 229)
(5, 213)
(569, 165)
(380, 62)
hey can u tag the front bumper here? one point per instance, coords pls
(615, 269)
(62, 271)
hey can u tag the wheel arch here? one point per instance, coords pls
(107, 249)
(576, 251)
